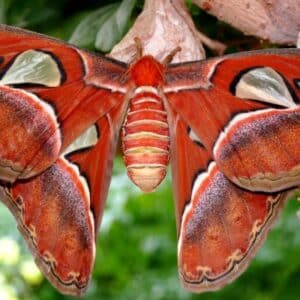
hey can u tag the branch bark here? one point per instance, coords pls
(274, 20)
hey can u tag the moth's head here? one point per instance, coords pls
(147, 71)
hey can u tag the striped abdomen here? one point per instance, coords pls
(145, 139)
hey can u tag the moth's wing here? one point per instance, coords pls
(59, 211)
(245, 110)
(54, 217)
(96, 162)
(50, 93)
(220, 226)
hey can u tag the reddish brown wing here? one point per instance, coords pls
(50, 93)
(54, 217)
(220, 226)
(95, 163)
(245, 110)
(59, 211)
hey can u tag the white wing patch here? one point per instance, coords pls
(34, 67)
(87, 139)
(194, 137)
(264, 84)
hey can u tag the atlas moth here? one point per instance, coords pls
(230, 127)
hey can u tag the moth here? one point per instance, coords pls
(230, 127)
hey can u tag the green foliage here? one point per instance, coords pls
(103, 28)
(29, 13)
(86, 32)
(113, 29)
(136, 248)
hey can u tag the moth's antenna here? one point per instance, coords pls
(139, 48)
(170, 56)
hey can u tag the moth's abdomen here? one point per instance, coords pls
(145, 139)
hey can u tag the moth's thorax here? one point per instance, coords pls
(147, 72)
(146, 138)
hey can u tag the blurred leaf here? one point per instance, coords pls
(7, 293)
(86, 32)
(31, 272)
(3, 8)
(29, 13)
(115, 26)
(9, 251)
(104, 27)
(66, 29)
